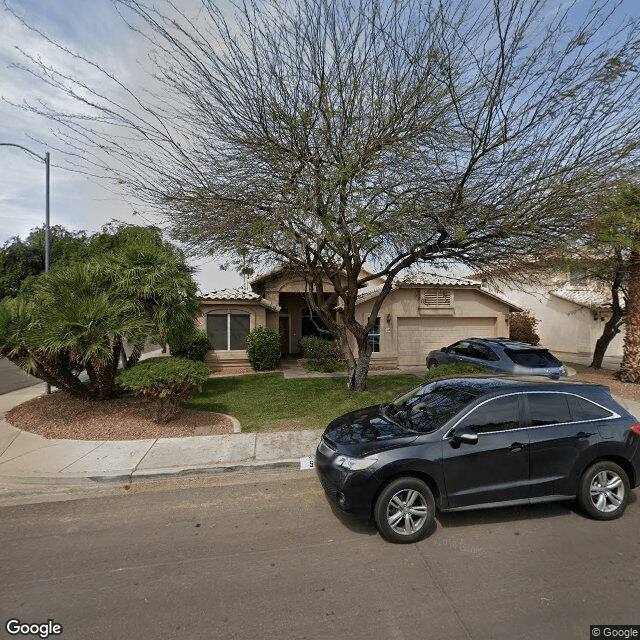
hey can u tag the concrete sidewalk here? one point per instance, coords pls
(28, 457)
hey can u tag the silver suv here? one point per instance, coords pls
(500, 355)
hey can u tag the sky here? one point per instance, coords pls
(77, 201)
(94, 28)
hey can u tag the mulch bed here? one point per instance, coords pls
(59, 415)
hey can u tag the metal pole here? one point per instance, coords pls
(47, 233)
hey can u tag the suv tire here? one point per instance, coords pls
(405, 510)
(604, 490)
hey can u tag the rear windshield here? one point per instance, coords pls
(533, 358)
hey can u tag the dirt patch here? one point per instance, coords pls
(127, 418)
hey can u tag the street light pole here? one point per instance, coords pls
(47, 230)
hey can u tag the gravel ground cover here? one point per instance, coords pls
(127, 418)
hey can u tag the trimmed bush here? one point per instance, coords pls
(169, 380)
(192, 345)
(263, 349)
(321, 355)
(522, 327)
(441, 370)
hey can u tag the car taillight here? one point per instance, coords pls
(636, 429)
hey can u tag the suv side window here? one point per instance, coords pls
(498, 414)
(461, 349)
(548, 408)
(582, 409)
(482, 352)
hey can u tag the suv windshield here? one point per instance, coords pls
(533, 358)
(428, 408)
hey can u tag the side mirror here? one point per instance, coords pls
(464, 436)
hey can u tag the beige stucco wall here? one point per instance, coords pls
(565, 327)
(405, 303)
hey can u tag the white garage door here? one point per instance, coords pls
(418, 336)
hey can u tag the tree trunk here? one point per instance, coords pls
(360, 372)
(611, 329)
(630, 368)
(134, 357)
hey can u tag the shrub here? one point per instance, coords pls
(192, 345)
(441, 370)
(263, 349)
(324, 367)
(522, 327)
(169, 380)
(321, 355)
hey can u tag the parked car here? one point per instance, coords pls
(464, 442)
(500, 355)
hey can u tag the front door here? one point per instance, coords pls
(284, 329)
(497, 467)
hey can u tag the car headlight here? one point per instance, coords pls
(355, 464)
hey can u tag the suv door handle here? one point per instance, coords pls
(581, 435)
(517, 446)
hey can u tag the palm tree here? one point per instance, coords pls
(77, 317)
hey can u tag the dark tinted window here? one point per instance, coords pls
(533, 358)
(582, 409)
(499, 414)
(461, 349)
(430, 407)
(482, 352)
(548, 408)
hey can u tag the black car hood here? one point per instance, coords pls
(366, 431)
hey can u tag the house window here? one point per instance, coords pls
(374, 337)
(435, 298)
(227, 331)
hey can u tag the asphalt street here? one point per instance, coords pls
(263, 556)
(12, 378)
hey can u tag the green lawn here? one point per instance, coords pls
(268, 401)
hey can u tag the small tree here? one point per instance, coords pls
(522, 327)
(168, 380)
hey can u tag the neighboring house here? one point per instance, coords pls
(571, 309)
(422, 312)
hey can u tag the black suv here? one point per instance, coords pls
(480, 441)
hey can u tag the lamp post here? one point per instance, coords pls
(47, 232)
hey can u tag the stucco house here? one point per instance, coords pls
(571, 309)
(422, 312)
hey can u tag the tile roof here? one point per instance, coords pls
(592, 297)
(234, 295)
(369, 292)
(434, 279)
(230, 294)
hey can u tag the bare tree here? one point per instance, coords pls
(329, 134)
